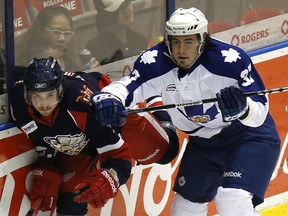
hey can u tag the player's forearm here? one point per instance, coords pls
(118, 88)
(256, 115)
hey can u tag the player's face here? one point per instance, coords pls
(185, 49)
(45, 102)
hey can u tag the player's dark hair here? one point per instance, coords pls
(207, 39)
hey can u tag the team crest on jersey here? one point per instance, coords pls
(68, 144)
(200, 119)
(149, 57)
(181, 181)
(85, 95)
(201, 113)
(230, 55)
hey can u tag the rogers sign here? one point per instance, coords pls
(247, 38)
(258, 34)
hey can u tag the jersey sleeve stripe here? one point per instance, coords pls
(110, 147)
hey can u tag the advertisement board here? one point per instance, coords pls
(149, 189)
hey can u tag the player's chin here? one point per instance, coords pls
(45, 113)
(183, 63)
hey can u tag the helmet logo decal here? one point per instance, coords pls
(43, 74)
(53, 63)
(187, 22)
(40, 85)
(169, 28)
(178, 28)
(192, 27)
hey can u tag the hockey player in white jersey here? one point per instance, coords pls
(233, 143)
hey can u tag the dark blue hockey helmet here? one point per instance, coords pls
(43, 74)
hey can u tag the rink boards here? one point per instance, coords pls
(148, 191)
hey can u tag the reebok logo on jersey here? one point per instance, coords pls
(232, 174)
(29, 127)
(150, 156)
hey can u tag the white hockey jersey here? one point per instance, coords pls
(219, 66)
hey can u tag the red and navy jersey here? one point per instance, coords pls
(72, 128)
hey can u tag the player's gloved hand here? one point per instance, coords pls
(109, 109)
(45, 188)
(97, 189)
(232, 103)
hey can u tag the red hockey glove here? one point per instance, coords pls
(45, 188)
(97, 189)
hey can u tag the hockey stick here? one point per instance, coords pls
(209, 100)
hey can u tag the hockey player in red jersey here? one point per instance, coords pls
(79, 161)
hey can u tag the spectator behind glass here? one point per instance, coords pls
(115, 40)
(51, 34)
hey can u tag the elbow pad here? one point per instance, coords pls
(173, 144)
(150, 140)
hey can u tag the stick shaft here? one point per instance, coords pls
(203, 101)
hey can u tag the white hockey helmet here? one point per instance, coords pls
(187, 22)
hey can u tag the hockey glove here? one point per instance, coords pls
(109, 110)
(232, 103)
(97, 189)
(45, 188)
